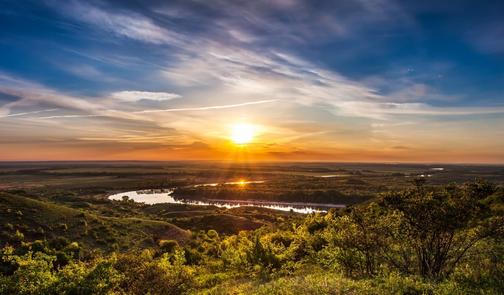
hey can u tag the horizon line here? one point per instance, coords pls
(260, 161)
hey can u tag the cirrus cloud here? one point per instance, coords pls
(133, 96)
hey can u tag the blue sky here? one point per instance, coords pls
(332, 80)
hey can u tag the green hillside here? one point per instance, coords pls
(43, 220)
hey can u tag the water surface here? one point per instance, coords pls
(156, 196)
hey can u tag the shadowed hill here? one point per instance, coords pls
(37, 219)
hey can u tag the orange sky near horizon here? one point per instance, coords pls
(209, 136)
(228, 151)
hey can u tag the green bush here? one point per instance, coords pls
(168, 246)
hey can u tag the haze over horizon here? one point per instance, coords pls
(283, 80)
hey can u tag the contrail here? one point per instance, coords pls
(70, 116)
(27, 113)
(205, 108)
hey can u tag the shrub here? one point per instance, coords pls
(33, 273)
(59, 243)
(18, 236)
(143, 274)
(168, 246)
(39, 246)
(213, 234)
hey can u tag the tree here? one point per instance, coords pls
(440, 226)
(355, 241)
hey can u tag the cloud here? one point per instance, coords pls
(87, 72)
(32, 94)
(232, 69)
(133, 96)
(382, 111)
(206, 108)
(239, 72)
(27, 113)
(111, 113)
(125, 24)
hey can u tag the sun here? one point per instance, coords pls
(242, 133)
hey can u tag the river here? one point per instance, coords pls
(156, 196)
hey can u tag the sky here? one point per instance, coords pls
(353, 80)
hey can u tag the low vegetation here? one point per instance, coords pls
(422, 240)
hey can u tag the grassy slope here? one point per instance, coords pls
(222, 223)
(225, 221)
(319, 281)
(38, 219)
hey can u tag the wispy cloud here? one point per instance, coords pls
(132, 96)
(240, 72)
(71, 116)
(380, 110)
(87, 72)
(27, 113)
(206, 108)
(130, 25)
(243, 71)
(32, 94)
(106, 113)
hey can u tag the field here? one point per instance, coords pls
(359, 179)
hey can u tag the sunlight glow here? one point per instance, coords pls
(242, 133)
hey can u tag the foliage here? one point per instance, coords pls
(439, 227)
(425, 240)
(168, 246)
